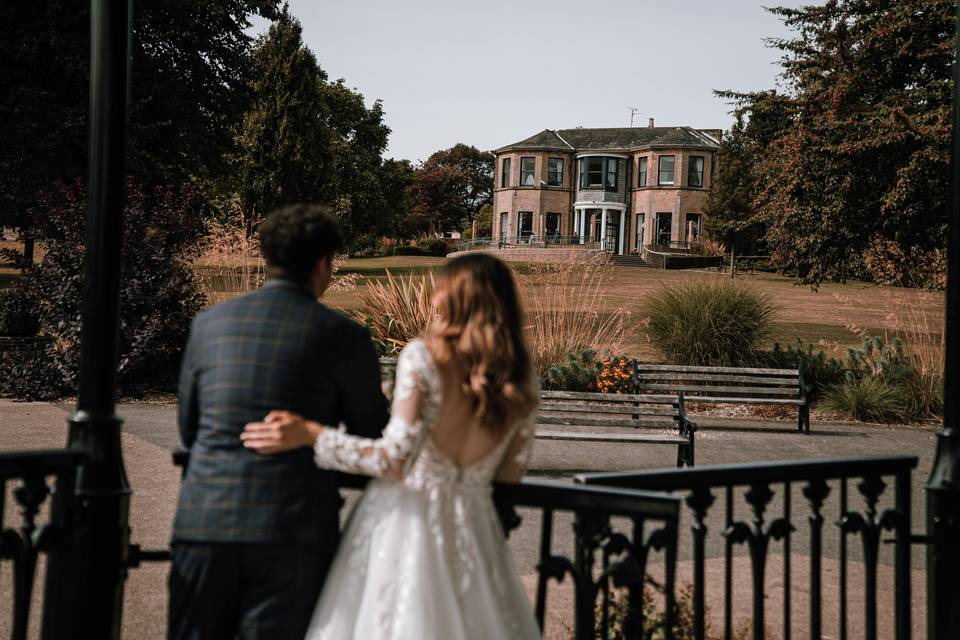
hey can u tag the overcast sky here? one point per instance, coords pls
(494, 72)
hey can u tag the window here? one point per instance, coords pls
(695, 172)
(667, 164)
(524, 225)
(526, 171)
(505, 173)
(504, 226)
(640, 220)
(642, 172)
(591, 172)
(555, 172)
(599, 173)
(552, 229)
(664, 228)
(693, 227)
(613, 166)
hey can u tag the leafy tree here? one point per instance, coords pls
(190, 65)
(287, 142)
(731, 215)
(449, 189)
(863, 159)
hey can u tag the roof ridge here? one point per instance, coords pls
(557, 133)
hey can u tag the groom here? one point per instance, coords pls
(254, 535)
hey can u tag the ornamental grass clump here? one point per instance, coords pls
(709, 323)
(869, 399)
(396, 310)
(566, 310)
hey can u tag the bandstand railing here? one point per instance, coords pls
(607, 555)
(756, 489)
(39, 475)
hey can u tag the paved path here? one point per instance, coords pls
(149, 435)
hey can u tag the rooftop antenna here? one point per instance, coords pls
(633, 111)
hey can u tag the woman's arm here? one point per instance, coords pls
(334, 448)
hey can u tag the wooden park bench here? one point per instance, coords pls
(728, 385)
(648, 419)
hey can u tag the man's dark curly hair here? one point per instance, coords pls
(293, 239)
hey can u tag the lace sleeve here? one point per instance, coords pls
(336, 449)
(517, 457)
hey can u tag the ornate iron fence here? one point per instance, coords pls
(758, 485)
(623, 555)
(40, 475)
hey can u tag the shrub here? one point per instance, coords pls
(408, 250)
(709, 323)
(870, 399)
(820, 372)
(159, 293)
(577, 372)
(435, 247)
(920, 389)
(17, 316)
(396, 311)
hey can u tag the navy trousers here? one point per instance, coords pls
(248, 591)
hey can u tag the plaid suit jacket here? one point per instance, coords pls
(275, 348)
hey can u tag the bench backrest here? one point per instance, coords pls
(719, 381)
(599, 409)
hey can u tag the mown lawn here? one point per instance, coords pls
(832, 317)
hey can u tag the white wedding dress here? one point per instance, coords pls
(423, 557)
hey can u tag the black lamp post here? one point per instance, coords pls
(85, 580)
(943, 487)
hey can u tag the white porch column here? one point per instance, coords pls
(603, 229)
(582, 223)
(623, 221)
(576, 223)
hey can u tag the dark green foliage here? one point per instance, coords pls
(711, 323)
(731, 216)
(578, 373)
(820, 372)
(287, 143)
(17, 316)
(305, 139)
(436, 247)
(158, 296)
(407, 250)
(190, 65)
(870, 399)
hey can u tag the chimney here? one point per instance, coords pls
(650, 122)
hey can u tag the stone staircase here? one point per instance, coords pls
(628, 261)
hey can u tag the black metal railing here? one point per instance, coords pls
(757, 485)
(604, 557)
(40, 475)
(529, 240)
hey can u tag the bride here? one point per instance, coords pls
(423, 555)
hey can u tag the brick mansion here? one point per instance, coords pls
(619, 190)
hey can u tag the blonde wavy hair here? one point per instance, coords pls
(478, 328)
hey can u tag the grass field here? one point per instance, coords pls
(832, 317)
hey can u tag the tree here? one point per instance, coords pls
(862, 161)
(190, 66)
(287, 142)
(731, 215)
(159, 293)
(449, 189)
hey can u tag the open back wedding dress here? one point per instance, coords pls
(423, 555)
